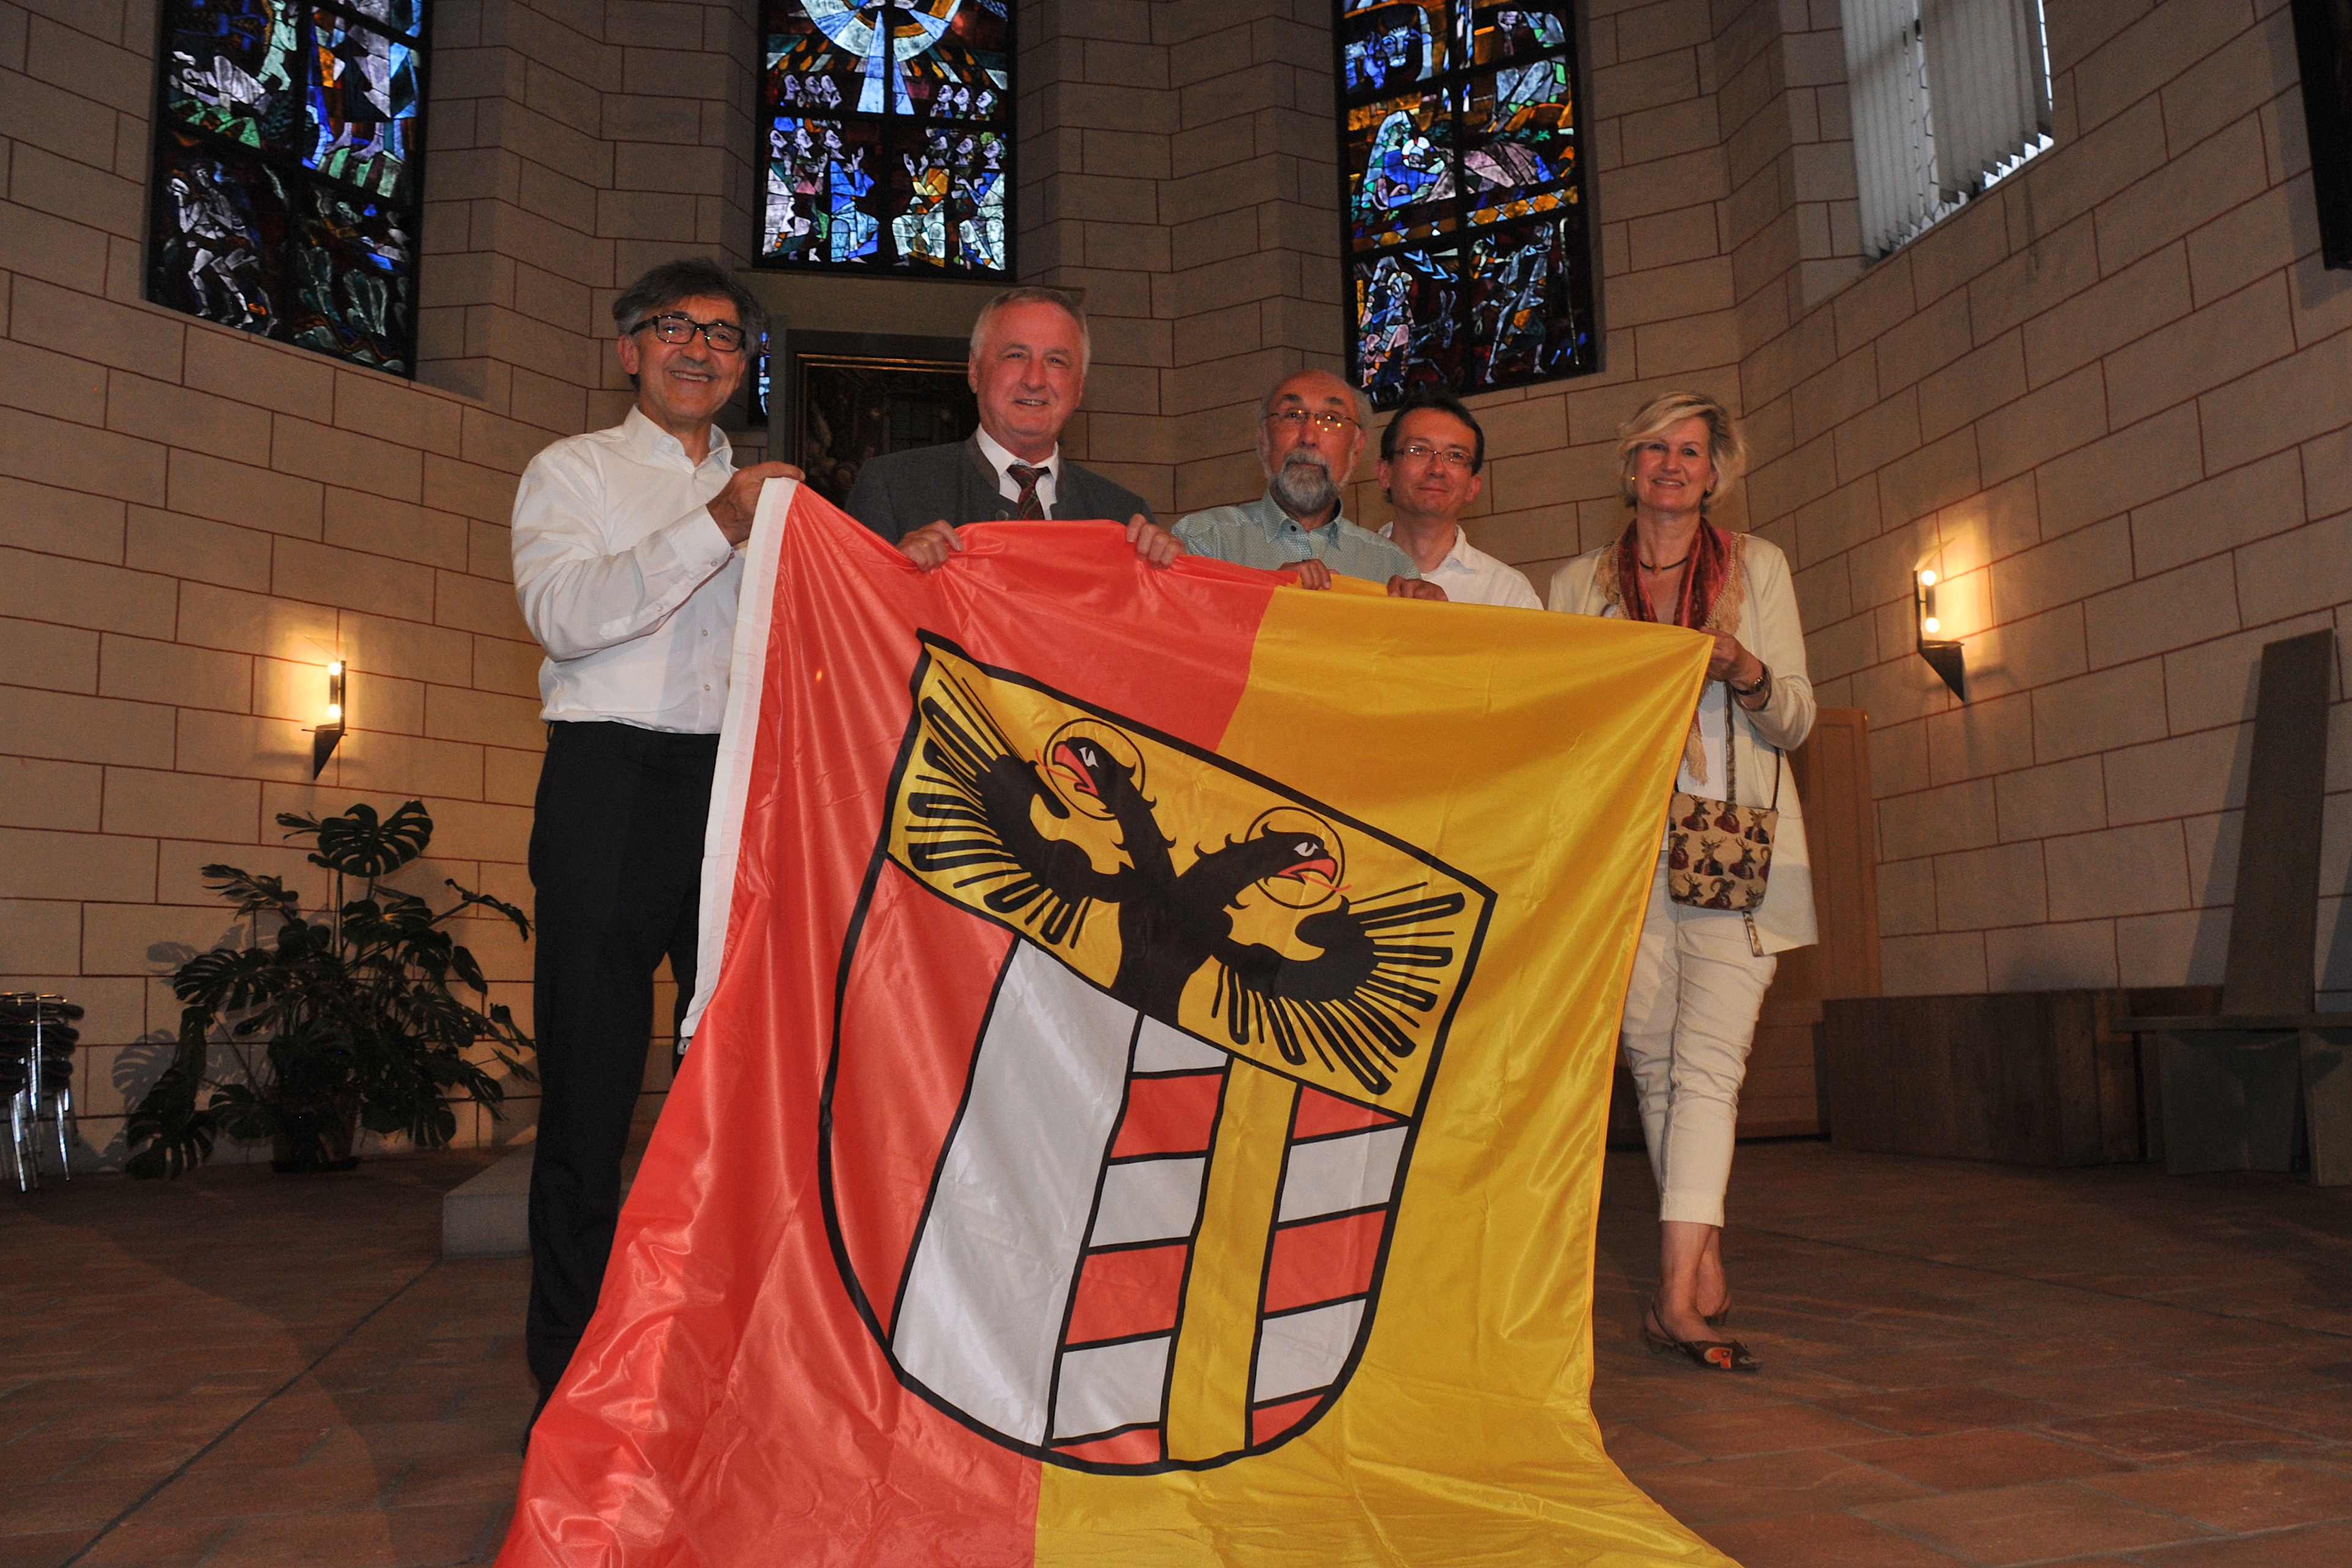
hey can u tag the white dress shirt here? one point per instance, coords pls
(625, 579)
(1006, 485)
(1471, 576)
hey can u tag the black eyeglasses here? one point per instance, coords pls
(1297, 418)
(677, 327)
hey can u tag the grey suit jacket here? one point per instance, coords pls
(896, 494)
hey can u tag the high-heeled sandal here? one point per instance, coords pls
(1722, 1314)
(1712, 1355)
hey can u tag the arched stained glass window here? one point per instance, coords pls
(285, 191)
(888, 130)
(1463, 183)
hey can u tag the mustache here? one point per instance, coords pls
(1308, 457)
(1304, 480)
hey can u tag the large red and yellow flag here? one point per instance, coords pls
(1151, 1082)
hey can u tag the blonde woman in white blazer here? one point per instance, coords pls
(1700, 975)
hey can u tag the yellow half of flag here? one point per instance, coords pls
(1533, 752)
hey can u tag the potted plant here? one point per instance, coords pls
(334, 1024)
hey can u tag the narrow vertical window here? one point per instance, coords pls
(285, 192)
(1464, 194)
(887, 136)
(1950, 96)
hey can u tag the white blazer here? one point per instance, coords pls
(1767, 628)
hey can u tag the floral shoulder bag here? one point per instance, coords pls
(1719, 852)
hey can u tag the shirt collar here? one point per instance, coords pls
(1269, 514)
(648, 440)
(1454, 557)
(1000, 458)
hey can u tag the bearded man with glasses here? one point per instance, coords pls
(1431, 457)
(626, 563)
(1311, 434)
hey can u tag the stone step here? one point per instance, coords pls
(489, 1217)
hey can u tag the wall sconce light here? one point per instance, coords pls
(1942, 654)
(329, 735)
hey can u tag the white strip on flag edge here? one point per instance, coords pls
(738, 738)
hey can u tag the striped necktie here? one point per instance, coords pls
(1028, 505)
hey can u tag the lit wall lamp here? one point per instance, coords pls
(1942, 654)
(329, 735)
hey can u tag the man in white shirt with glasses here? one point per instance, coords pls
(1432, 455)
(626, 563)
(1310, 434)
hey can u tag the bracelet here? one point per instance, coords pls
(1762, 681)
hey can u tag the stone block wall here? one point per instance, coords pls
(570, 147)
(193, 521)
(1095, 116)
(2111, 404)
(1177, 167)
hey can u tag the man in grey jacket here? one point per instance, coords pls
(1028, 370)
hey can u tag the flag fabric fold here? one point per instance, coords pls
(1146, 1099)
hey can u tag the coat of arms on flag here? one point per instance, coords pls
(1149, 1082)
(1205, 1012)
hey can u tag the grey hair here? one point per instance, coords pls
(1030, 295)
(688, 278)
(1727, 445)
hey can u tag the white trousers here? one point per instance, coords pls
(1690, 1016)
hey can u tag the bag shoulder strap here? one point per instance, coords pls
(1730, 748)
(1731, 755)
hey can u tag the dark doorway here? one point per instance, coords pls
(847, 397)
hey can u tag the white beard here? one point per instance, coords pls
(1303, 485)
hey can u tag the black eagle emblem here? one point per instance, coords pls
(1362, 1003)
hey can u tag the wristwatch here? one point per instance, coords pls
(1763, 680)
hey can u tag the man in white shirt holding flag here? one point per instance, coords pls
(626, 563)
(1432, 455)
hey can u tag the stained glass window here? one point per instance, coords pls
(1469, 264)
(887, 127)
(285, 192)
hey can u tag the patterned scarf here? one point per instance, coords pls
(1713, 562)
(1713, 590)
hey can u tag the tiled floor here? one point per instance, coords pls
(1964, 1363)
(1996, 1366)
(243, 1369)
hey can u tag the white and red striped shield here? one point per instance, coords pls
(1130, 1049)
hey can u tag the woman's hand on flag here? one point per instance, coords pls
(1731, 662)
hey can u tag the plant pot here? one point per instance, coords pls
(312, 1140)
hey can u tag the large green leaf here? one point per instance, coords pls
(469, 899)
(332, 1020)
(177, 1136)
(253, 893)
(360, 844)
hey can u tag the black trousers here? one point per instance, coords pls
(616, 866)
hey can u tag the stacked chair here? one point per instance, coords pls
(36, 1046)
